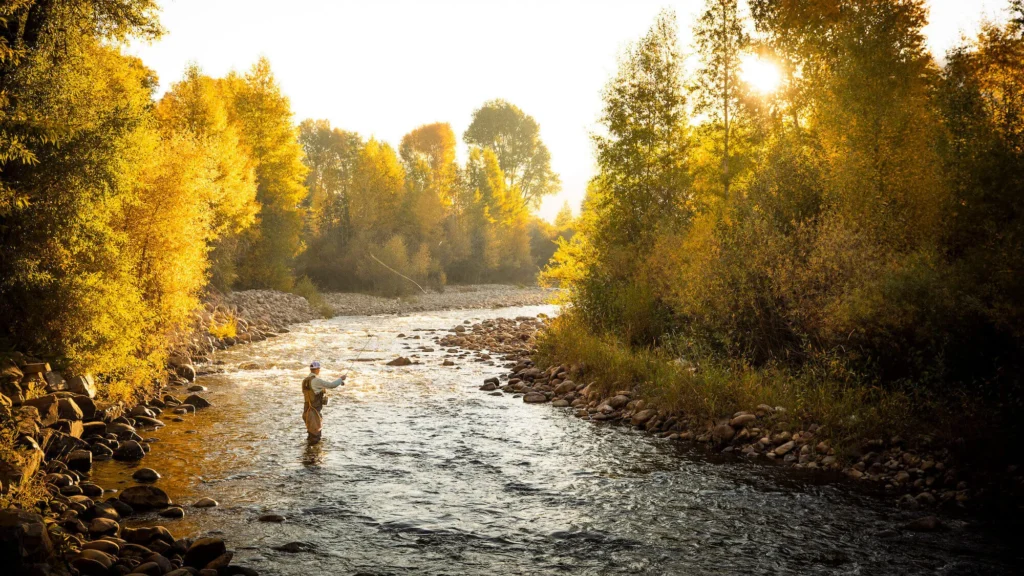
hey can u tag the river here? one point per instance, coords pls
(421, 473)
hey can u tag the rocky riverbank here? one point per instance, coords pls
(70, 525)
(916, 475)
(453, 298)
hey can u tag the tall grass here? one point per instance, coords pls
(703, 390)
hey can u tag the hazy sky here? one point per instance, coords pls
(382, 68)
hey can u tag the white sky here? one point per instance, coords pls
(382, 68)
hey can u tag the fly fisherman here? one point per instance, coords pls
(314, 397)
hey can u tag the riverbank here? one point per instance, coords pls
(55, 428)
(917, 473)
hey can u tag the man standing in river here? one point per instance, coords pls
(313, 393)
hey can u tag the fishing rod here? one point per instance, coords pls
(424, 290)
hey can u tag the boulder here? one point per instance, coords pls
(173, 512)
(129, 451)
(206, 503)
(489, 387)
(535, 398)
(186, 371)
(54, 381)
(618, 402)
(400, 361)
(203, 551)
(146, 475)
(23, 539)
(197, 401)
(145, 497)
(84, 385)
(16, 470)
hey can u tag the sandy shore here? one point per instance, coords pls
(453, 298)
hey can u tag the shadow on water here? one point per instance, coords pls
(420, 473)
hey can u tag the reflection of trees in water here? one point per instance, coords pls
(314, 454)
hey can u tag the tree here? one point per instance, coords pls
(514, 137)
(642, 156)
(720, 40)
(264, 116)
(196, 109)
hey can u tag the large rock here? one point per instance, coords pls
(146, 475)
(80, 461)
(49, 411)
(203, 551)
(84, 385)
(535, 398)
(197, 401)
(145, 497)
(129, 451)
(400, 361)
(23, 539)
(618, 402)
(742, 420)
(55, 381)
(68, 409)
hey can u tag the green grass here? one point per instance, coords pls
(304, 287)
(709, 390)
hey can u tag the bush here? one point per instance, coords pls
(304, 287)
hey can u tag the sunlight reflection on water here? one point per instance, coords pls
(420, 473)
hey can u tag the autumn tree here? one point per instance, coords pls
(514, 136)
(264, 118)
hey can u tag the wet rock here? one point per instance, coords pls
(447, 363)
(146, 475)
(145, 497)
(203, 551)
(80, 461)
(275, 518)
(489, 387)
(129, 451)
(89, 567)
(294, 547)
(220, 562)
(560, 403)
(197, 388)
(197, 401)
(148, 568)
(400, 361)
(925, 524)
(106, 546)
(148, 422)
(205, 503)
(535, 398)
(173, 512)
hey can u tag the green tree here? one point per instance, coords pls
(264, 117)
(720, 39)
(514, 136)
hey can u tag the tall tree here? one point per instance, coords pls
(642, 156)
(514, 136)
(720, 40)
(265, 118)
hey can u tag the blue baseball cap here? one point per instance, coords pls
(315, 365)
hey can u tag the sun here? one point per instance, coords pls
(760, 74)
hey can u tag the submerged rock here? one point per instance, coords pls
(145, 497)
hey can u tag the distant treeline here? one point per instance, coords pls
(860, 227)
(118, 210)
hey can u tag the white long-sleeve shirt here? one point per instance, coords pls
(318, 384)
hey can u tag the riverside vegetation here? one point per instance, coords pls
(848, 246)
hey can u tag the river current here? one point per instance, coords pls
(421, 473)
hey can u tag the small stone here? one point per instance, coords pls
(785, 448)
(173, 512)
(206, 503)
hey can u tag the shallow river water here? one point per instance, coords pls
(421, 473)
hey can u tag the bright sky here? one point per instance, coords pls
(384, 67)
